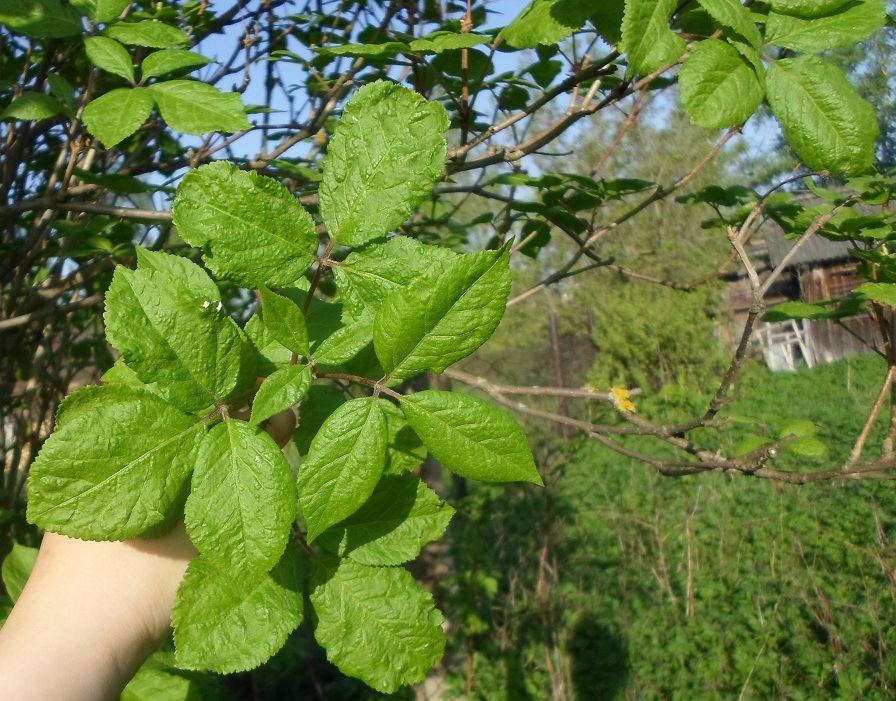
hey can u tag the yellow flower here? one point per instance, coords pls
(623, 403)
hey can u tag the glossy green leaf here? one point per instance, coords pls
(385, 157)
(343, 465)
(733, 15)
(807, 8)
(101, 10)
(253, 230)
(151, 33)
(546, 22)
(280, 391)
(110, 56)
(197, 108)
(404, 451)
(386, 48)
(882, 292)
(41, 18)
(242, 499)
(850, 25)
(114, 464)
(471, 437)
(397, 520)
(118, 114)
(647, 40)
(718, 87)
(321, 402)
(232, 621)
(169, 60)
(32, 106)
(270, 354)
(16, 569)
(345, 343)
(166, 317)
(440, 41)
(159, 680)
(284, 320)
(372, 273)
(376, 624)
(822, 116)
(444, 319)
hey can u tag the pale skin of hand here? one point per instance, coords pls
(93, 611)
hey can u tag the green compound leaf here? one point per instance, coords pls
(343, 465)
(101, 10)
(647, 41)
(253, 230)
(270, 354)
(41, 18)
(371, 274)
(732, 14)
(822, 116)
(169, 60)
(850, 25)
(385, 157)
(110, 56)
(119, 113)
(281, 390)
(113, 466)
(198, 108)
(718, 87)
(376, 624)
(471, 437)
(32, 106)
(242, 500)
(546, 22)
(17, 566)
(400, 517)
(151, 33)
(807, 8)
(231, 621)
(285, 321)
(166, 318)
(445, 318)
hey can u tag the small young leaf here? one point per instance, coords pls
(343, 465)
(345, 343)
(852, 25)
(285, 321)
(41, 18)
(110, 56)
(822, 116)
(471, 437)
(718, 87)
(114, 464)
(118, 114)
(252, 228)
(440, 41)
(32, 106)
(385, 157)
(166, 318)
(281, 390)
(17, 566)
(751, 444)
(151, 33)
(807, 446)
(242, 500)
(647, 41)
(198, 108)
(376, 624)
(232, 621)
(546, 22)
(397, 520)
(799, 428)
(169, 60)
(451, 316)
